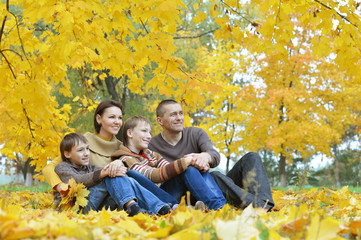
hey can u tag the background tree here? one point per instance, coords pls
(302, 90)
(121, 37)
(275, 76)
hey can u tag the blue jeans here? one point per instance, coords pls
(246, 183)
(150, 186)
(201, 185)
(121, 191)
(98, 196)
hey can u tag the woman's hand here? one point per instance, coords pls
(116, 169)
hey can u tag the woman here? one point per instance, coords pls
(108, 119)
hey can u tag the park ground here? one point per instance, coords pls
(312, 213)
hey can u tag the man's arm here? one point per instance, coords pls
(208, 155)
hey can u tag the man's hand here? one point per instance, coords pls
(116, 169)
(201, 161)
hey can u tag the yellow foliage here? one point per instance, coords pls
(75, 197)
(30, 215)
(47, 38)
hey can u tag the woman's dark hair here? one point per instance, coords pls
(101, 108)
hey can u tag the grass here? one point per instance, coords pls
(354, 189)
(43, 187)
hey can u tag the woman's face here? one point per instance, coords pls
(111, 121)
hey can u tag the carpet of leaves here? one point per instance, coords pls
(314, 214)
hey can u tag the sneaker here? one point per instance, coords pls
(164, 210)
(200, 206)
(175, 206)
(133, 209)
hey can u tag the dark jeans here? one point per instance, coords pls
(246, 183)
(201, 185)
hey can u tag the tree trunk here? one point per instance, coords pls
(337, 166)
(29, 179)
(227, 166)
(28, 172)
(19, 178)
(282, 168)
(111, 87)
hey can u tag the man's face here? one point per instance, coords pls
(173, 118)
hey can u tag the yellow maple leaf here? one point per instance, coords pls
(76, 99)
(200, 17)
(242, 227)
(323, 229)
(76, 196)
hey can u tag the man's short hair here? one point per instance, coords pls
(69, 141)
(131, 123)
(160, 109)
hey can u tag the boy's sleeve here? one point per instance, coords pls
(66, 172)
(162, 170)
(49, 172)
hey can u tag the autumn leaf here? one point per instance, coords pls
(76, 196)
(20, 218)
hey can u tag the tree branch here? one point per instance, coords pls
(236, 12)
(28, 119)
(3, 24)
(343, 17)
(10, 50)
(197, 36)
(144, 26)
(9, 64)
(2, 28)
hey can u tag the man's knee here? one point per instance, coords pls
(251, 156)
(191, 170)
(216, 174)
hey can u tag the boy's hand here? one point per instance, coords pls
(104, 172)
(116, 169)
(200, 160)
(62, 188)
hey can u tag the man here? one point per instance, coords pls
(244, 184)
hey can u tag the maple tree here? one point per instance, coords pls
(244, 65)
(40, 41)
(301, 89)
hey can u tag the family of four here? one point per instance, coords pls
(125, 175)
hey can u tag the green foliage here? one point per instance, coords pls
(349, 170)
(43, 187)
